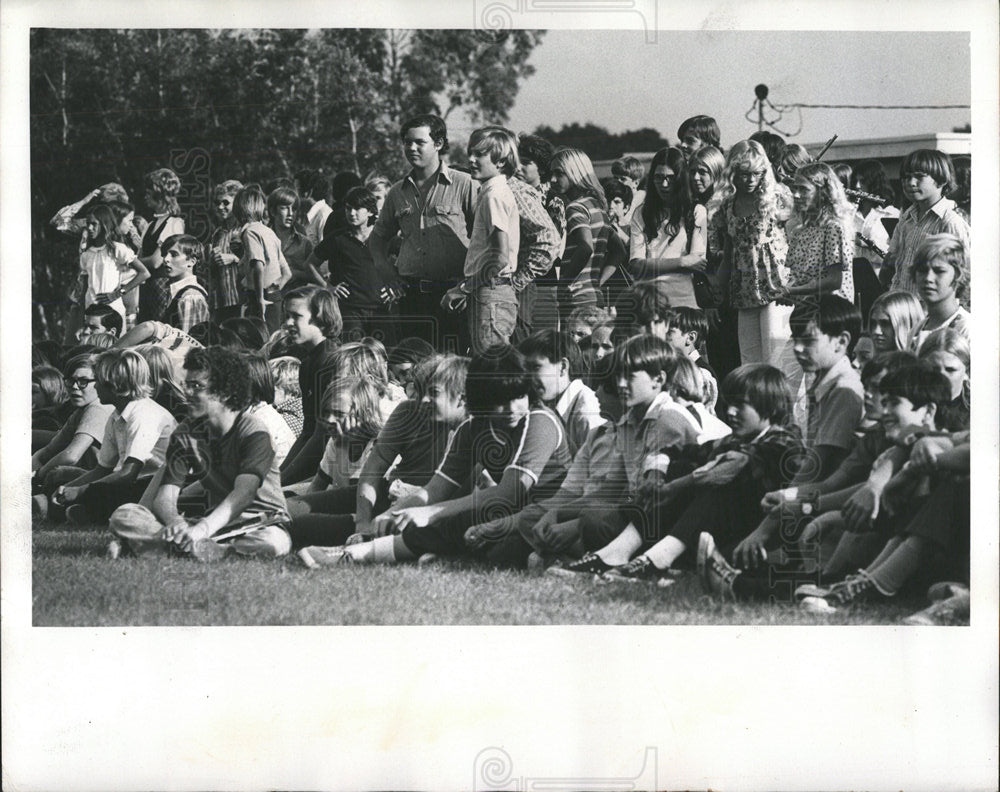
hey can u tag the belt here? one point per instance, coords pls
(429, 286)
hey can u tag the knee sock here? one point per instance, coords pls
(890, 575)
(620, 549)
(665, 552)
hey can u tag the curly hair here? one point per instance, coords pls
(162, 186)
(749, 155)
(830, 206)
(228, 374)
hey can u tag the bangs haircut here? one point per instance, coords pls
(921, 383)
(226, 189)
(949, 249)
(364, 399)
(282, 196)
(77, 362)
(554, 345)
(228, 374)
(935, 164)
(616, 189)
(109, 318)
(448, 372)
(365, 359)
(362, 198)
(187, 244)
(125, 372)
(644, 353)
(832, 316)
(763, 387)
(500, 144)
(628, 168)
(951, 341)
(643, 303)
(703, 127)
(497, 377)
(684, 380)
(690, 320)
(532, 148)
(285, 374)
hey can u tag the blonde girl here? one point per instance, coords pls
(752, 270)
(224, 289)
(893, 318)
(587, 227)
(949, 352)
(821, 248)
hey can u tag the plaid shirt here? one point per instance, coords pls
(539, 237)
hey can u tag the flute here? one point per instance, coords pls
(860, 195)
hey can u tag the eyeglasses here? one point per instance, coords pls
(78, 382)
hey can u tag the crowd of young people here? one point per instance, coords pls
(747, 364)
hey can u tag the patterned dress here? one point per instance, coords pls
(759, 245)
(814, 250)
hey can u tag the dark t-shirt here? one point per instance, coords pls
(197, 451)
(351, 262)
(537, 446)
(315, 374)
(419, 442)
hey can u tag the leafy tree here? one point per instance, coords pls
(598, 143)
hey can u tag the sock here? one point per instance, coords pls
(665, 552)
(620, 549)
(892, 573)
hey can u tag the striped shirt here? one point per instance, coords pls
(912, 230)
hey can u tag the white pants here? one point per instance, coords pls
(766, 337)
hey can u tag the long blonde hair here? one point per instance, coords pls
(580, 172)
(750, 153)
(904, 311)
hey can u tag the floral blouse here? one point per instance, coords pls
(759, 248)
(812, 250)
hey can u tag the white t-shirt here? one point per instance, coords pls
(104, 268)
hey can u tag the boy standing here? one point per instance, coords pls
(487, 290)
(188, 298)
(229, 453)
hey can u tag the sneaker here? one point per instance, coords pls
(589, 564)
(949, 607)
(716, 574)
(854, 588)
(811, 590)
(639, 570)
(317, 556)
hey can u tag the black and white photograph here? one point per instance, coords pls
(409, 381)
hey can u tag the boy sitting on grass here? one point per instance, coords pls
(823, 333)
(228, 452)
(554, 360)
(510, 452)
(134, 443)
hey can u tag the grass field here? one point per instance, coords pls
(74, 583)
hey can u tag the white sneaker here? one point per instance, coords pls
(317, 556)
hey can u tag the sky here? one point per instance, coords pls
(615, 79)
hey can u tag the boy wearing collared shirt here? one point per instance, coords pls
(487, 290)
(555, 360)
(188, 298)
(134, 444)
